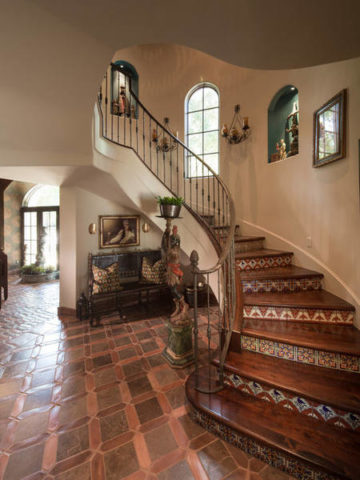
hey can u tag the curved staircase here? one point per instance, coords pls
(292, 395)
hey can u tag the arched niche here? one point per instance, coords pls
(124, 78)
(283, 121)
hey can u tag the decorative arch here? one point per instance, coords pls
(42, 196)
(124, 79)
(283, 122)
(202, 105)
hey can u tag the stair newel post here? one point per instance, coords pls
(150, 136)
(194, 259)
(219, 325)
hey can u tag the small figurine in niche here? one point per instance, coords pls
(294, 130)
(282, 149)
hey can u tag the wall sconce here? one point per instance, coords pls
(92, 228)
(165, 143)
(239, 129)
(145, 227)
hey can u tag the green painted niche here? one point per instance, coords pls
(283, 122)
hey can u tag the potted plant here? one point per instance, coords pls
(36, 274)
(170, 206)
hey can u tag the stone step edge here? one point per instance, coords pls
(285, 398)
(301, 354)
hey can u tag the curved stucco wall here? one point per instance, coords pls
(288, 200)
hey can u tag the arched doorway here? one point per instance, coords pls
(40, 226)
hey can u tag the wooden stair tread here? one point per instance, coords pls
(320, 299)
(328, 337)
(244, 238)
(303, 437)
(291, 271)
(263, 252)
(331, 387)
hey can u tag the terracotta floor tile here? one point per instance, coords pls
(156, 360)
(72, 442)
(102, 360)
(160, 442)
(105, 376)
(31, 426)
(37, 399)
(176, 396)
(216, 460)
(121, 341)
(113, 425)
(45, 377)
(73, 386)
(82, 472)
(73, 410)
(133, 368)
(166, 376)
(121, 462)
(148, 410)
(127, 353)
(108, 397)
(24, 462)
(119, 409)
(180, 471)
(139, 386)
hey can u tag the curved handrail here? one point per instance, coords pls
(138, 128)
(227, 246)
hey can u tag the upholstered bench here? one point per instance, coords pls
(113, 277)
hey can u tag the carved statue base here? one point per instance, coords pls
(179, 351)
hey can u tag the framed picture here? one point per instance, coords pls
(330, 131)
(119, 231)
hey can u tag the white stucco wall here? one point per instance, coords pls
(290, 200)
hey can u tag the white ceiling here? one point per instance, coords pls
(267, 34)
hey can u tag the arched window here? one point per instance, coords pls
(202, 128)
(283, 124)
(40, 226)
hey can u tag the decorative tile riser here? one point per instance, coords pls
(296, 353)
(243, 247)
(259, 263)
(285, 399)
(281, 285)
(265, 453)
(342, 317)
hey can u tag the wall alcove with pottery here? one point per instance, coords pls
(283, 124)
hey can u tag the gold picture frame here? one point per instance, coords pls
(330, 130)
(117, 231)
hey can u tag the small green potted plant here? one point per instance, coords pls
(170, 206)
(37, 274)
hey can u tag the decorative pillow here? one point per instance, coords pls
(106, 280)
(154, 273)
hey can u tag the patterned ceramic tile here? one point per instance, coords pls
(258, 263)
(281, 285)
(302, 354)
(309, 407)
(341, 317)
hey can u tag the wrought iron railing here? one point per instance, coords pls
(125, 121)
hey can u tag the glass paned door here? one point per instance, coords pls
(41, 228)
(49, 223)
(30, 237)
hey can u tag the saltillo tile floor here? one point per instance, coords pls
(81, 403)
